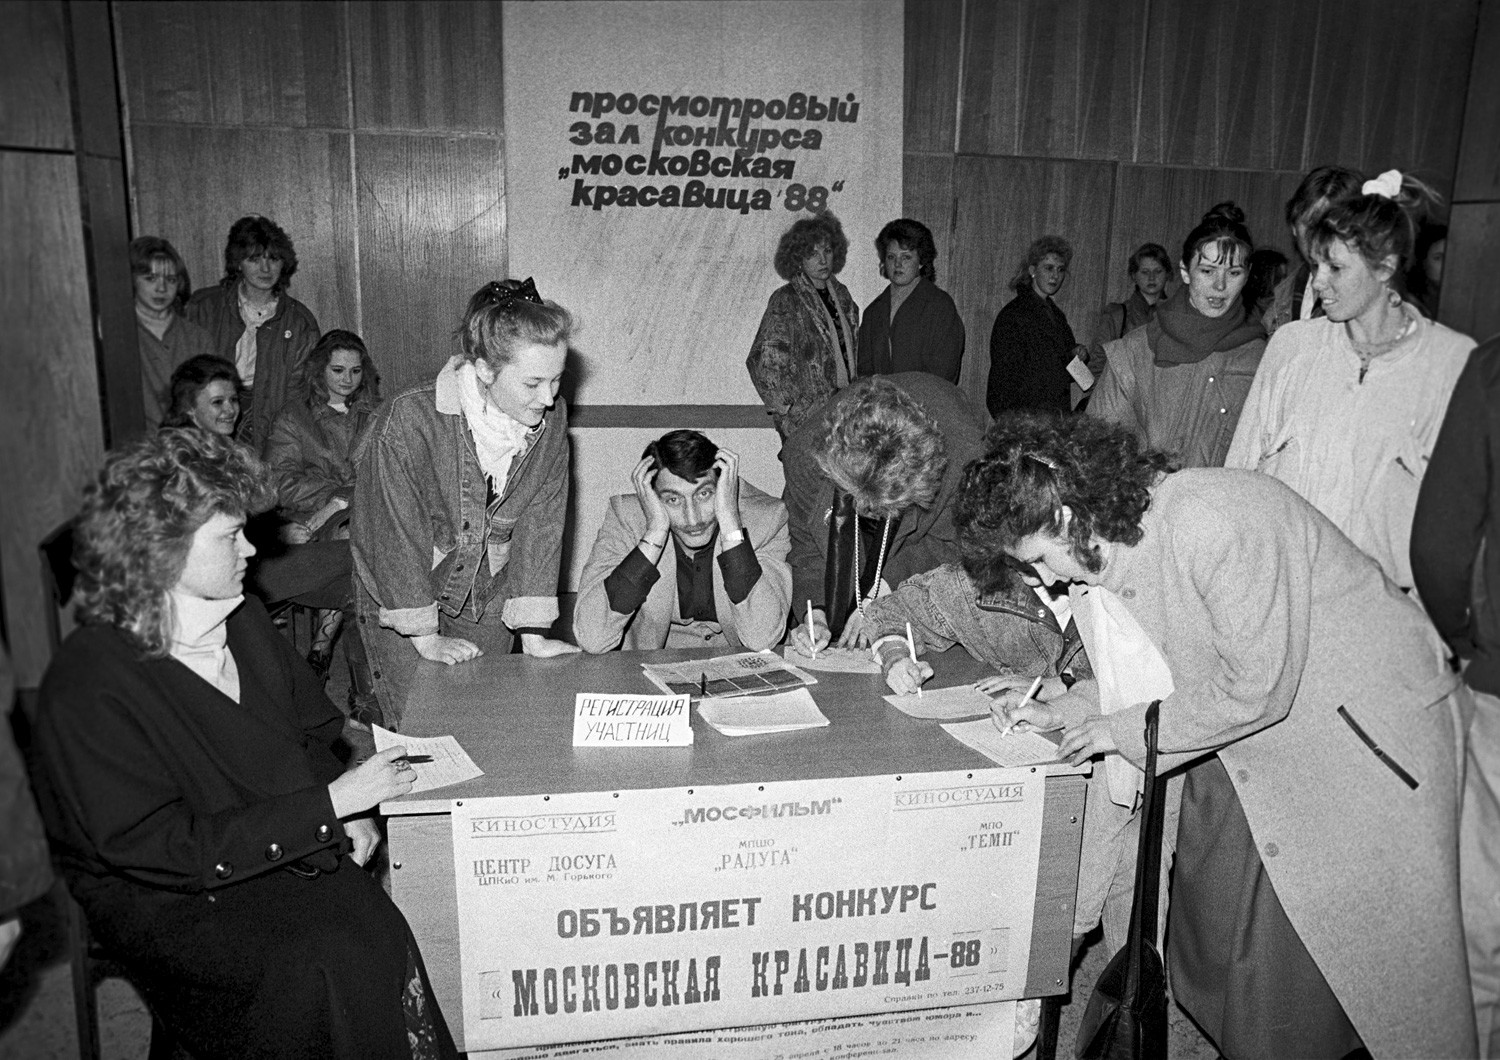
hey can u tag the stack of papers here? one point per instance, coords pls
(754, 715)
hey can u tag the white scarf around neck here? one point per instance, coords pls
(498, 438)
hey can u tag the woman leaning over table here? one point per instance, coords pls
(460, 498)
(193, 780)
(1346, 407)
(1314, 904)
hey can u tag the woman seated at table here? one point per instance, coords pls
(1315, 894)
(913, 325)
(1179, 382)
(194, 784)
(460, 499)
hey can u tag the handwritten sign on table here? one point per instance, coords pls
(601, 720)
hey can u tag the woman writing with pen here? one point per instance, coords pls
(206, 802)
(1314, 906)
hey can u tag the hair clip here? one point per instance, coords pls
(1046, 462)
(502, 295)
(1387, 185)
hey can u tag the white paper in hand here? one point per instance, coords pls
(1081, 374)
(450, 762)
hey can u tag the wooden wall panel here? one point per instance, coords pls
(1387, 78)
(49, 397)
(431, 232)
(927, 196)
(428, 66)
(278, 63)
(933, 60)
(1002, 205)
(35, 108)
(1051, 78)
(1162, 205)
(192, 183)
(1479, 155)
(1469, 301)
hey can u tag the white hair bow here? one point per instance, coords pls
(1387, 185)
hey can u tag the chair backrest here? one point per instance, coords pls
(58, 577)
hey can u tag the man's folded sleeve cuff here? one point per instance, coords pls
(628, 585)
(741, 570)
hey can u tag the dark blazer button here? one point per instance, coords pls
(324, 833)
(223, 870)
(274, 852)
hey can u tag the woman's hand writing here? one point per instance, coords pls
(809, 639)
(1059, 712)
(907, 676)
(382, 776)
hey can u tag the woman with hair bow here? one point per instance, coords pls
(460, 499)
(1346, 407)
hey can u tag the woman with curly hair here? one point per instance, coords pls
(1180, 381)
(209, 808)
(460, 499)
(255, 324)
(913, 325)
(1314, 905)
(1031, 343)
(871, 477)
(807, 345)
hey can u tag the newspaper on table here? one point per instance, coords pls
(745, 674)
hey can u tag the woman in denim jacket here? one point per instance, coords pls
(460, 499)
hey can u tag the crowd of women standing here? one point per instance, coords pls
(1225, 528)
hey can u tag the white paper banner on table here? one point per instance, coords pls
(620, 914)
(601, 720)
(978, 1032)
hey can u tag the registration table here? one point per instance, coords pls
(514, 716)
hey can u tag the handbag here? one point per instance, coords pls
(1126, 1018)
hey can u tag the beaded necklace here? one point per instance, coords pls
(885, 534)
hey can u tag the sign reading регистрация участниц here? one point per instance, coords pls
(602, 915)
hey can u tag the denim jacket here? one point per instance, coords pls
(423, 537)
(1011, 630)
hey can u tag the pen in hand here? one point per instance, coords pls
(911, 646)
(1029, 693)
(812, 642)
(702, 686)
(414, 758)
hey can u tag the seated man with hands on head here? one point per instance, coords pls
(695, 556)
